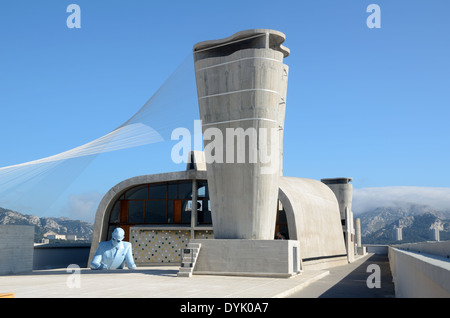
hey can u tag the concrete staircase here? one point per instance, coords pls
(188, 258)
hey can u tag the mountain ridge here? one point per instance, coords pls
(415, 220)
(376, 225)
(59, 225)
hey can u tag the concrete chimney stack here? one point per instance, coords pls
(343, 191)
(241, 86)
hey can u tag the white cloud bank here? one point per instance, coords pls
(366, 199)
(83, 206)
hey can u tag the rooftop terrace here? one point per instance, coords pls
(162, 282)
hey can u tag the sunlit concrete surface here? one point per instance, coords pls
(346, 281)
(418, 274)
(149, 282)
(350, 281)
(16, 249)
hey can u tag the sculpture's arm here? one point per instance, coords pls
(97, 261)
(129, 259)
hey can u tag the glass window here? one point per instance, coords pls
(186, 211)
(155, 212)
(135, 211)
(111, 230)
(158, 191)
(185, 190)
(160, 203)
(170, 215)
(204, 213)
(115, 213)
(202, 187)
(172, 191)
(137, 193)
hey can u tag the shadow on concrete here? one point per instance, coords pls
(87, 271)
(354, 285)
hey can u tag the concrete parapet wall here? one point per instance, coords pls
(324, 263)
(60, 255)
(377, 249)
(419, 275)
(16, 249)
(435, 248)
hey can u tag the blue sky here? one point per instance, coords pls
(371, 104)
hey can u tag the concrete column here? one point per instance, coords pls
(358, 232)
(434, 234)
(194, 208)
(397, 234)
(241, 86)
(343, 191)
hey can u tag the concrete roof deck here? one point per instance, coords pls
(148, 282)
(162, 282)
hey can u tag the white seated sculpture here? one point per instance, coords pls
(114, 254)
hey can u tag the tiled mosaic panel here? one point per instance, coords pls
(203, 235)
(158, 246)
(162, 246)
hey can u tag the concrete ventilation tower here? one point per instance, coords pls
(358, 235)
(343, 190)
(397, 234)
(434, 234)
(241, 86)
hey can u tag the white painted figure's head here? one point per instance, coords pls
(117, 236)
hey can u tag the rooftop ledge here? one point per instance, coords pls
(254, 38)
(336, 180)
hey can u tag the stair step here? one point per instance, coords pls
(187, 264)
(191, 250)
(184, 274)
(188, 257)
(190, 254)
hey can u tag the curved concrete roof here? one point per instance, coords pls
(311, 209)
(313, 216)
(105, 206)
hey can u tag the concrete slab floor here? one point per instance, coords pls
(350, 281)
(149, 282)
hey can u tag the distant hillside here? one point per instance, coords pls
(415, 220)
(83, 230)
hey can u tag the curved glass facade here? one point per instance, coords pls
(163, 203)
(168, 204)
